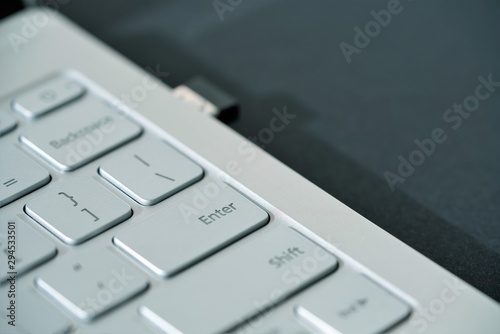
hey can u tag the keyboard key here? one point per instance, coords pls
(275, 321)
(91, 284)
(30, 248)
(150, 171)
(7, 122)
(75, 136)
(47, 96)
(78, 210)
(181, 235)
(19, 175)
(118, 323)
(239, 284)
(347, 303)
(33, 315)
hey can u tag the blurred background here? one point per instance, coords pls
(361, 99)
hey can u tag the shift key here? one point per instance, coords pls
(78, 134)
(238, 284)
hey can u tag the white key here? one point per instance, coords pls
(78, 210)
(77, 135)
(150, 171)
(33, 315)
(7, 122)
(347, 303)
(91, 284)
(29, 248)
(275, 321)
(47, 96)
(118, 323)
(19, 175)
(217, 295)
(176, 237)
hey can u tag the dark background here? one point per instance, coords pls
(353, 120)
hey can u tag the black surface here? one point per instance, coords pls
(8, 7)
(353, 120)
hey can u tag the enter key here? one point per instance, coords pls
(201, 221)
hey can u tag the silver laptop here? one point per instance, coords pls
(126, 210)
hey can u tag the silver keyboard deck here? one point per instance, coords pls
(124, 209)
(185, 251)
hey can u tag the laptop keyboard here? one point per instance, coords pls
(119, 232)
